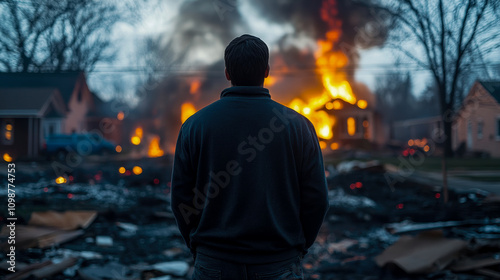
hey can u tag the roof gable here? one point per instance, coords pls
(65, 82)
(493, 88)
(29, 101)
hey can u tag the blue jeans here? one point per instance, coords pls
(207, 268)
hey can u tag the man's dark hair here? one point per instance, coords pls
(246, 59)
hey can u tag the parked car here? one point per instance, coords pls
(59, 145)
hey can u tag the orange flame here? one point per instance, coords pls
(154, 149)
(329, 62)
(270, 81)
(195, 86)
(187, 110)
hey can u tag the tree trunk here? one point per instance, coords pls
(448, 149)
(447, 153)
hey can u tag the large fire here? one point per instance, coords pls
(187, 110)
(329, 63)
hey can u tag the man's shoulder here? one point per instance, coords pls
(202, 114)
(291, 114)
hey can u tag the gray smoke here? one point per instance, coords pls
(205, 27)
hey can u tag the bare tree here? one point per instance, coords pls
(45, 35)
(448, 38)
(452, 35)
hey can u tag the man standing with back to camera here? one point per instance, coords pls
(248, 185)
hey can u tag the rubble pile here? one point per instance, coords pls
(121, 228)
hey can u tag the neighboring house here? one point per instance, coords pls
(26, 114)
(476, 126)
(28, 95)
(72, 86)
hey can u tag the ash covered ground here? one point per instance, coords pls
(133, 211)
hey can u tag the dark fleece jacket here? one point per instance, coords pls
(248, 182)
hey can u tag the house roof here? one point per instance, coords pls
(493, 87)
(64, 81)
(26, 101)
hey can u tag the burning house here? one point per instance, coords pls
(312, 72)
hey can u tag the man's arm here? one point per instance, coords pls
(183, 183)
(314, 192)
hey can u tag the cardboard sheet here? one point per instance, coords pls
(425, 253)
(31, 236)
(67, 220)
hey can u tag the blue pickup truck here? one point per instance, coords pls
(59, 145)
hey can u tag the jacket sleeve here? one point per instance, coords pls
(314, 192)
(183, 183)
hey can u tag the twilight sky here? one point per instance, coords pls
(158, 19)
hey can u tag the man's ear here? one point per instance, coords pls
(227, 74)
(267, 72)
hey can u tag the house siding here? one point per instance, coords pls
(478, 107)
(79, 105)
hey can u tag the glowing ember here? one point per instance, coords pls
(137, 170)
(122, 170)
(137, 137)
(60, 180)
(187, 110)
(135, 140)
(7, 157)
(120, 116)
(154, 149)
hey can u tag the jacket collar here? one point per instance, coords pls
(245, 91)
